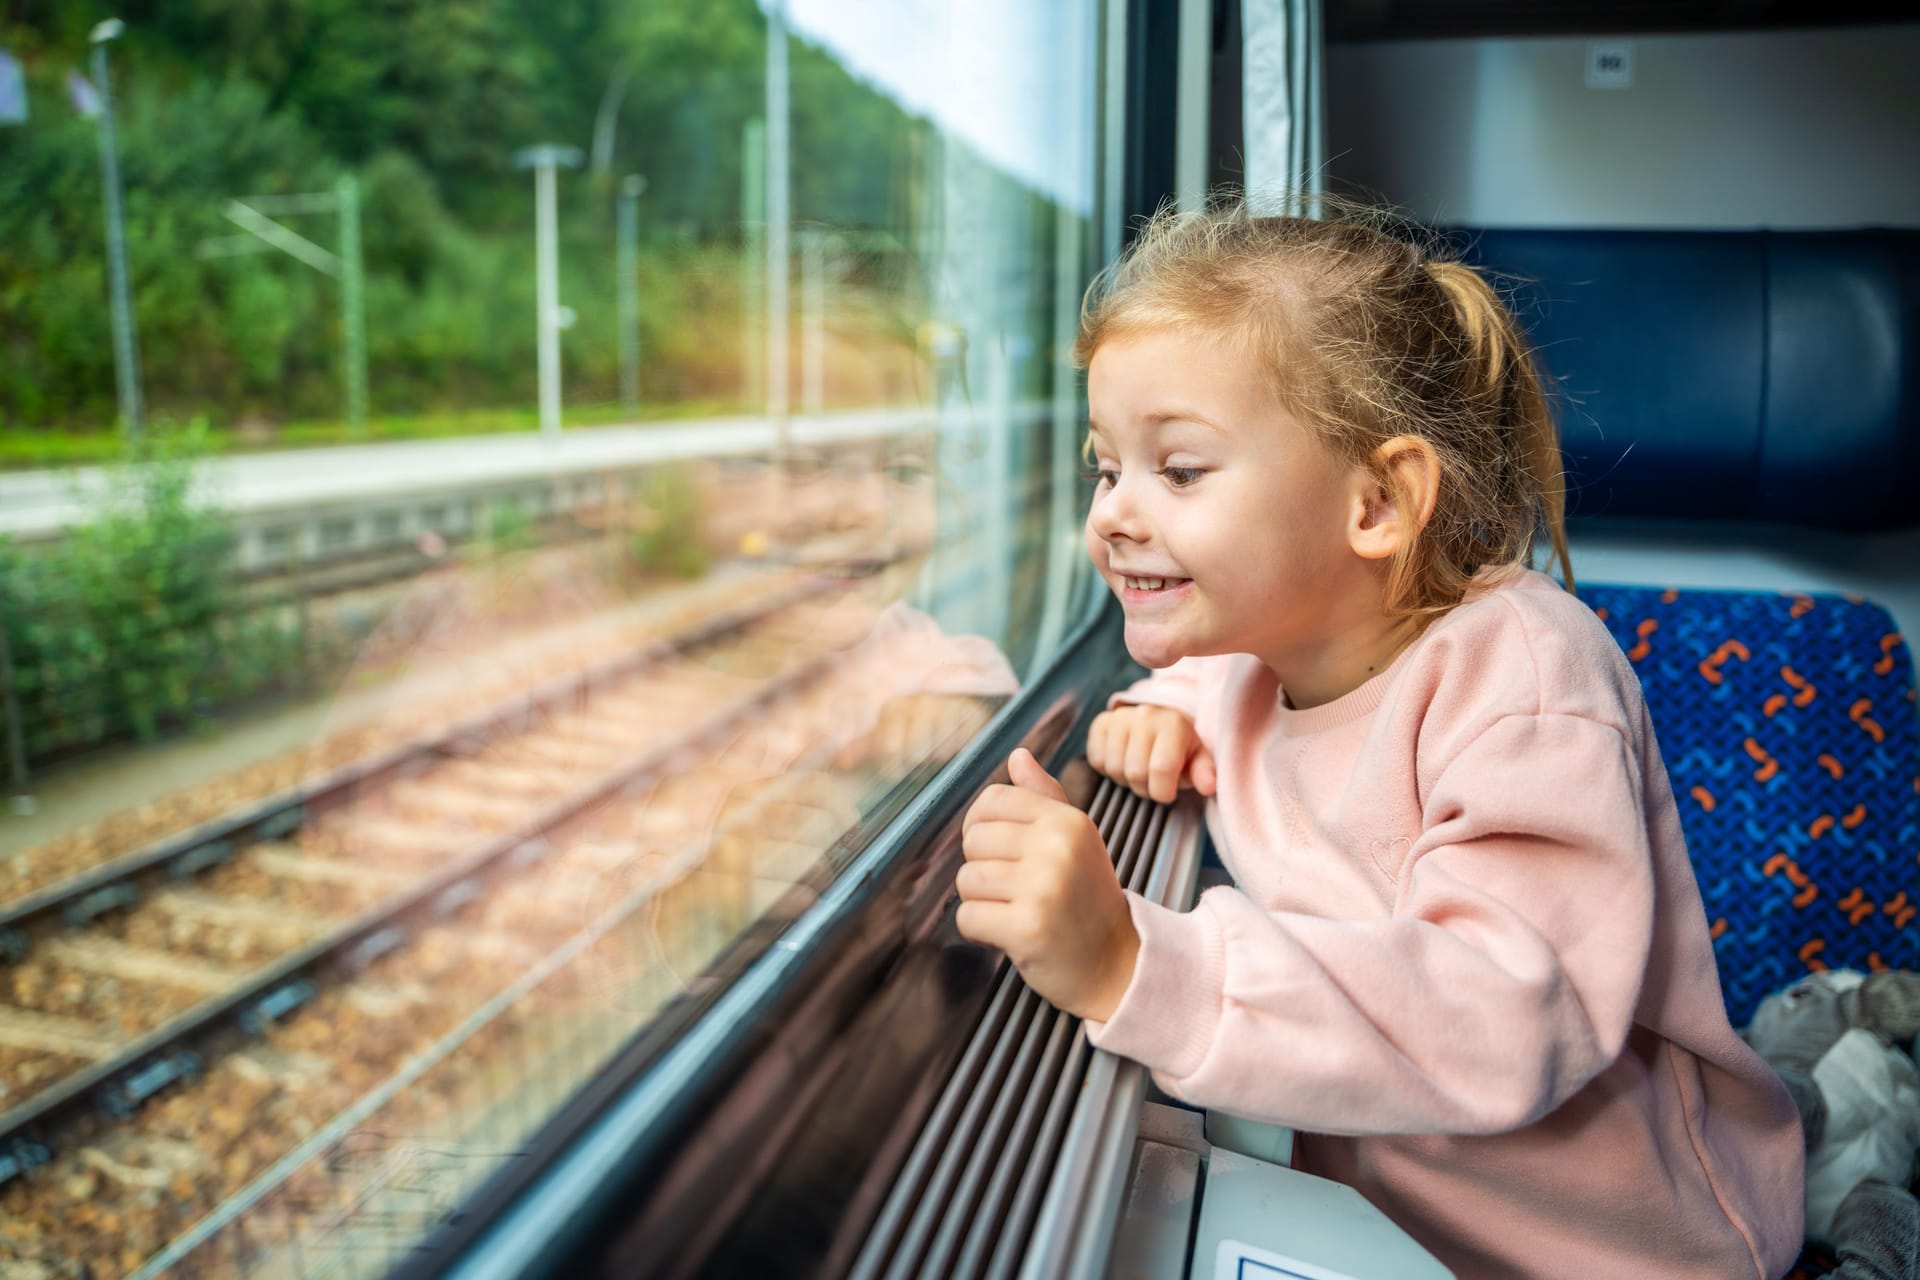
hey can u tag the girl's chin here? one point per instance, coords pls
(1153, 648)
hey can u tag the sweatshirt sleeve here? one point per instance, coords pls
(1177, 686)
(1503, 980)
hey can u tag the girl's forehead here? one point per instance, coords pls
(1176, 357)
(1162, 378)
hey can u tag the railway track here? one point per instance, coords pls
(487, 666)
(286, 1156)
(427, 877)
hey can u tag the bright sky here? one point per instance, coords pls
(1014, 78)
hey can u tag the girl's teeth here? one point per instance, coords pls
(1146, 584)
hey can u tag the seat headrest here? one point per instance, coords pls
(1726, 375)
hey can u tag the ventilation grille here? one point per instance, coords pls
(1020, 1169)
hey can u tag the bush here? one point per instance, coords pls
(129, 626)
(669, 524)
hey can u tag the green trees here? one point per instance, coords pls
(223, 98)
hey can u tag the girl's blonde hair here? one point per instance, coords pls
(1365, 337)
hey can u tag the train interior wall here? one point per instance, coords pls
(1785, 130)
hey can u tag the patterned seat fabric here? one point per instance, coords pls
(1789, 728)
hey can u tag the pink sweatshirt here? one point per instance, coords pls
(1467, 959)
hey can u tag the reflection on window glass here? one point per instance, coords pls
(496, 503)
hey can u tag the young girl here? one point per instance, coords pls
(1466, 956)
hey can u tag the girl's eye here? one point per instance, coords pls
(1181, 477)
(1101, 479)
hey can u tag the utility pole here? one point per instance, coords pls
(627, 263)
(552, 316)
(126, 346)
(779, 218)
(753, 227)
(353, 306)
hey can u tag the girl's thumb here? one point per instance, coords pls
(1029, 776)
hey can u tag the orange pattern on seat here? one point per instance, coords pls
(1795, 876)
(1900, 909)
(1711, 664)
(1768, 765)
(1858, 714)
(1645, 646)
(1888, 643)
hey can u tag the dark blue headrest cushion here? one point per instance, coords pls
(1727, 375)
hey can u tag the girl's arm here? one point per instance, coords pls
(1177, 686)
(1503, 980)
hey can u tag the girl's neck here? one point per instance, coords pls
(1344, 661)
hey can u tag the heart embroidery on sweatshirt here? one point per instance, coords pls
(1388, 855)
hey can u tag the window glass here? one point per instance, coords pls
(498, 503)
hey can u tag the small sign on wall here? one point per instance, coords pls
(1610, 64)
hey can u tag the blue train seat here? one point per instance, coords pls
(1789, 729)
(1790, 733)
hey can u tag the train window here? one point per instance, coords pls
(326, 888)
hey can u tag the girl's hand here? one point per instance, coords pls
(1150, 750)
(1038, 884)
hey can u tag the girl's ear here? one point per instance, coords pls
(1394, 497)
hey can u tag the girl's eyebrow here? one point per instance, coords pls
(1161, 417)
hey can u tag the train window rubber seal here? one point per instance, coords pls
(827, 953)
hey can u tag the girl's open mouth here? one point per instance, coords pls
(1144, 590)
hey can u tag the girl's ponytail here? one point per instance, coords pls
(1510, 387)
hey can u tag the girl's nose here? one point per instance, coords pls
(1116, 516)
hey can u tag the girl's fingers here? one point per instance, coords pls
(1139, 760)
(988, 880)
(1004, 802)
(1097, 733)
(983, 922)
(995, 840)
(1205, 774)
(1164, 766)
(1113, 749)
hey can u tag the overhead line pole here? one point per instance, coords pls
(779, 219)
(543, 160)
(126, 345)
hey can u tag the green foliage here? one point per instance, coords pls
(128, 627)
(510, 530)
(669, 524)
(223, 99)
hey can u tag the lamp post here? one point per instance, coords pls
(551, 316)
(126, 347)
